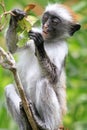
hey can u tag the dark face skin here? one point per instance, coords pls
(55, 27)
(50, 23)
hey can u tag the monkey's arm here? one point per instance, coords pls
(11, 35)
(49, 69)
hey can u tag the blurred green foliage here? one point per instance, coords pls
(76, 70)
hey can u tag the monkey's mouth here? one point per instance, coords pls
(45, 32)
(45, 35)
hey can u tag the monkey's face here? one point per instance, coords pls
(50, 24)
(55, 27)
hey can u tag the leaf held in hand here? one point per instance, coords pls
(25, 25)
(23, 38)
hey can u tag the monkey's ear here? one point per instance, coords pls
(74, 28)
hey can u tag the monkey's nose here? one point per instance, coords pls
(45, 25)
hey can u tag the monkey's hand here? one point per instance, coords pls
(17, 15)
(38, 39)
(39, 43)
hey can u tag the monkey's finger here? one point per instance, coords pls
(34, 38)
(19, 14)
(40, 38)
(37, 35)
(30, 32)
(34, 35)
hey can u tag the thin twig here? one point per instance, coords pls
(4, 14)
(2, 5)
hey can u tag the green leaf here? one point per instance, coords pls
(24, 25)
(23, 38)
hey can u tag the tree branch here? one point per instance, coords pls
(7, 61)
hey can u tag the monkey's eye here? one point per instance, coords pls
(45, 17)
(55, 21)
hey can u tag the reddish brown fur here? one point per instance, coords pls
(71, 12)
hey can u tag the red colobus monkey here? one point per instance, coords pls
(42, 67)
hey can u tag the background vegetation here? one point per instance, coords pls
(76, 118)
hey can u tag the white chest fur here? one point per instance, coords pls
(57, 52)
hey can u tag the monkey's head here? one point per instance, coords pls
(58, 22)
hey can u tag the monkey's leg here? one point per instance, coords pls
(47, 110)
(13, 104)
(42, 125)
